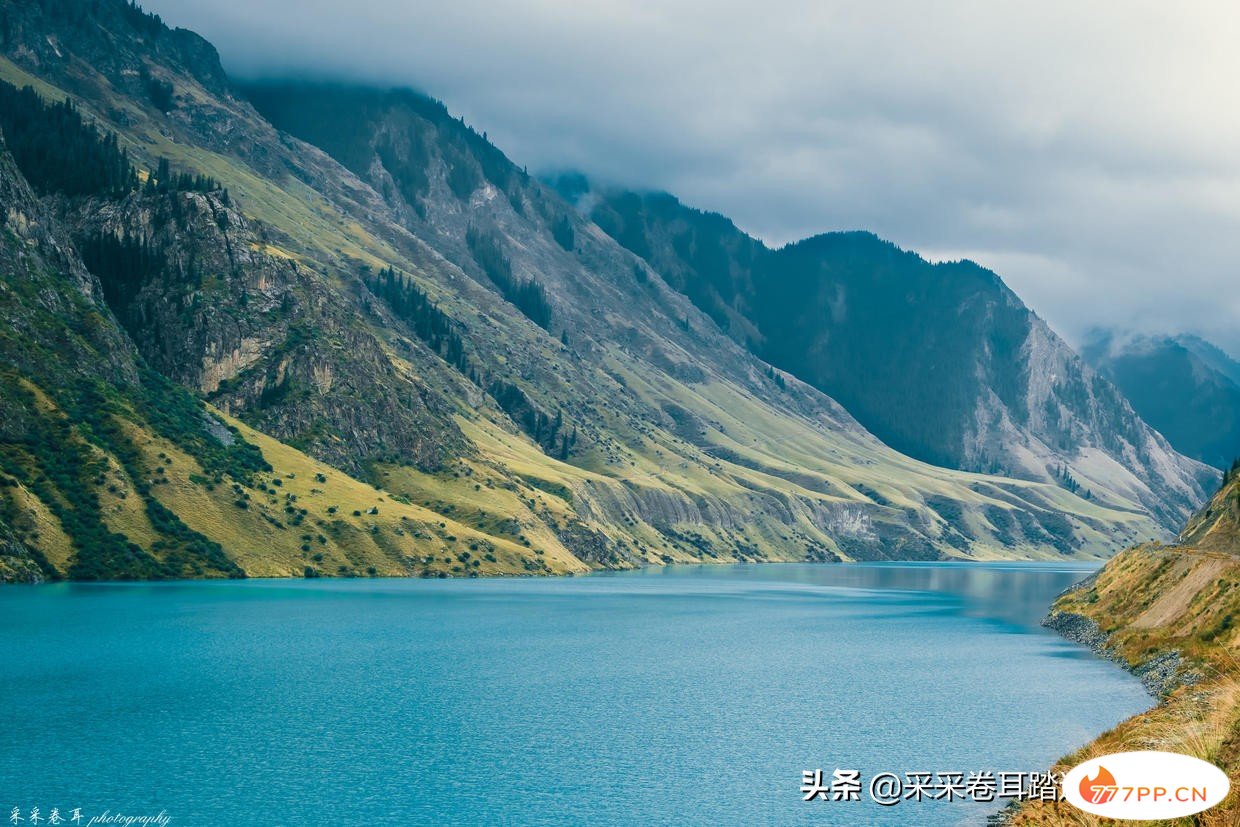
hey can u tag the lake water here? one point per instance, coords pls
(672, 696)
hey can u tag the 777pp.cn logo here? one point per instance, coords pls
(1145, 786)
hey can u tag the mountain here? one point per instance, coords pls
(1212, 355)
(78, 414)
(1182, 385)
(109, 470)
(942, 362)
(347, 336)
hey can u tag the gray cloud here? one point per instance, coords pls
(1086, 152)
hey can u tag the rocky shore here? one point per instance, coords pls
(1160, 675)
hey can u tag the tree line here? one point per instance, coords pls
(546, 430)
(60, 151)
(434, 327)
(122, 263)
(438, 331)
(526, 294)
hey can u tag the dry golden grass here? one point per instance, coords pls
(41, 528)
(1200, 721)
(348, 527)
(1152, 600)
(122, 509)
(302, 517)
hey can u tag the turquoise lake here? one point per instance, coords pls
(678, 696)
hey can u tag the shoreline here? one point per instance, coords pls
(1163, 613)
(1160, 675)
(1083, 565)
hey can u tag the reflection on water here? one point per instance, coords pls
(986, 590)
(688, 695)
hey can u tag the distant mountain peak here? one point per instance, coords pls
(940, 360)
(1183, 385)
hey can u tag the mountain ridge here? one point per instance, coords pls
(450, 331)
(1184, 386)
(973, 379)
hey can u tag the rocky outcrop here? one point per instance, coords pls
(73, 389)
(1160, 675)
(17, 564)
(225, 310)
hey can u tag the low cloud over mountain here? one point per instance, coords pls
(1084, 152)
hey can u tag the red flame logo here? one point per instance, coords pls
(1101, 789)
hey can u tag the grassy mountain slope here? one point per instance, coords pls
(446, 183)
(109, 470)
(1171, 612)
(419, 314)
(71, 385)
(1186, 388)
(941, 361)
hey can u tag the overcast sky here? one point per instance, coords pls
(1087, 152)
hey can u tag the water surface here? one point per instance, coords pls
(686, 695)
